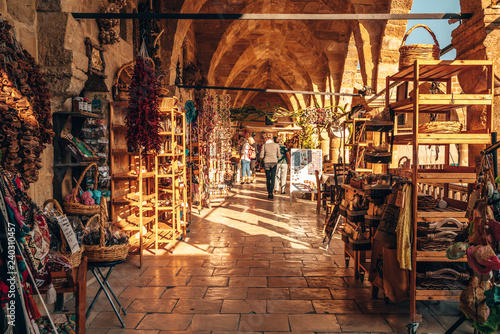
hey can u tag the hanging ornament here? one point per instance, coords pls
(190, 111)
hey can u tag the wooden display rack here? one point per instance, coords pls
(132, 184)
(195, 158)
(136, 195)
(171, 204)
(438, 71)
(359, 142)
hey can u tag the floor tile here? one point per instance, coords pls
(171, 322)
(289, 306)
(197, 306)
(252, 264)
(142, 292)
(314, 322)
(380, 306)
(190, 292)
(170, 281)
(336, 306)
(208, 281)
(327, 282)
(286, 282)
(231, 272)
(196, 272)
(219, 264)
(264, 322)
(248, 282)
(363, 323)
(159, 272)
(215, 322)
(149, 305)
(447, 321)
(275, 272)
(357, 294)
(243, 306)
(226, 293)
(109, 320)
(310, 293)
(268, 293)
(128, 331)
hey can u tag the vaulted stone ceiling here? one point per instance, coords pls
(291, 55)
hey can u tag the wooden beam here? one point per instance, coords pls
(268, 90)
(295, 17)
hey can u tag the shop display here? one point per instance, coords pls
(216, 138)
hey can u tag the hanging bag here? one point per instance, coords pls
(251, 153)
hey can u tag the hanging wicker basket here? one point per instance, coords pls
(101, 252)
(75, 208)
(74, 258)
(410, 53)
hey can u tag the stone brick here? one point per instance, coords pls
(22, 10)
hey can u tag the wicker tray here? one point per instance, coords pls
(72, 207)
(426, 202)
(360, 245)
(101, 252)
(409, 53)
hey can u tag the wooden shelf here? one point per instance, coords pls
(440, 103)
(445, 177)
(132, 199)
(119, 127)
(78, 114)
(132, 223)
(74, 164)
(437, 294)
(436, 256)
(170, 154)
(440, 213)
(444, 138)
(127, 176)
(438, 70)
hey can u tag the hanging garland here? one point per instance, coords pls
(142, 117)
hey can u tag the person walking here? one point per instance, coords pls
(282, 167)
(252, 154)
(270, 153)
(245, 162)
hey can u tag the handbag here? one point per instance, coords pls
(251, 153)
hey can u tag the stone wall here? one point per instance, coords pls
(49, 32)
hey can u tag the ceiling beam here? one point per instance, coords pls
(269, 90)
(300, 17)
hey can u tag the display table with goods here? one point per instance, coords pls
(437, 221)
(216, 128)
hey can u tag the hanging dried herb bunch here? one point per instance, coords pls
(143, 116)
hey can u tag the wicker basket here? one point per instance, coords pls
(101, 252)
(441, 127)
(74, 258)
(72, 207)
(410, 53)
(123, 80)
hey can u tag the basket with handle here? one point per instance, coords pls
(74, 258)
(409, 53)
(73, 207)
(101, 252)
(123, 80)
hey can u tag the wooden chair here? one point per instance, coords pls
(336, 191)
(321, 192)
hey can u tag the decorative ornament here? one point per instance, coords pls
(190, 108)
(107, 34)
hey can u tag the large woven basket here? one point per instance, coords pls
(441, 127)
(75, 208)
(101, 252)
(409, 53)
(74, 258)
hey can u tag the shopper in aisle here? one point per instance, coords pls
(253, 157)
(282, 167)
(245, 161)
(270, 153)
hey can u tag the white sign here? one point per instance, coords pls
(69, 234)
(303, 164)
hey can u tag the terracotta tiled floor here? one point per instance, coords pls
(254, 265)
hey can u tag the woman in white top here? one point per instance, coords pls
(245, 162)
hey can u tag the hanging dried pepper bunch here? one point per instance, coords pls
(142, 115)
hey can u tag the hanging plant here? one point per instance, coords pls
(142, 117)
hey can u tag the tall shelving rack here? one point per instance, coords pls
(196, 161)
(132, 184)
(171, 205)
(358, 142)
(438, 71)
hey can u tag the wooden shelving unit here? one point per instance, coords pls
(195, 162)
(417, 104)
(358, 143)
(171, 206)
(132, 185)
